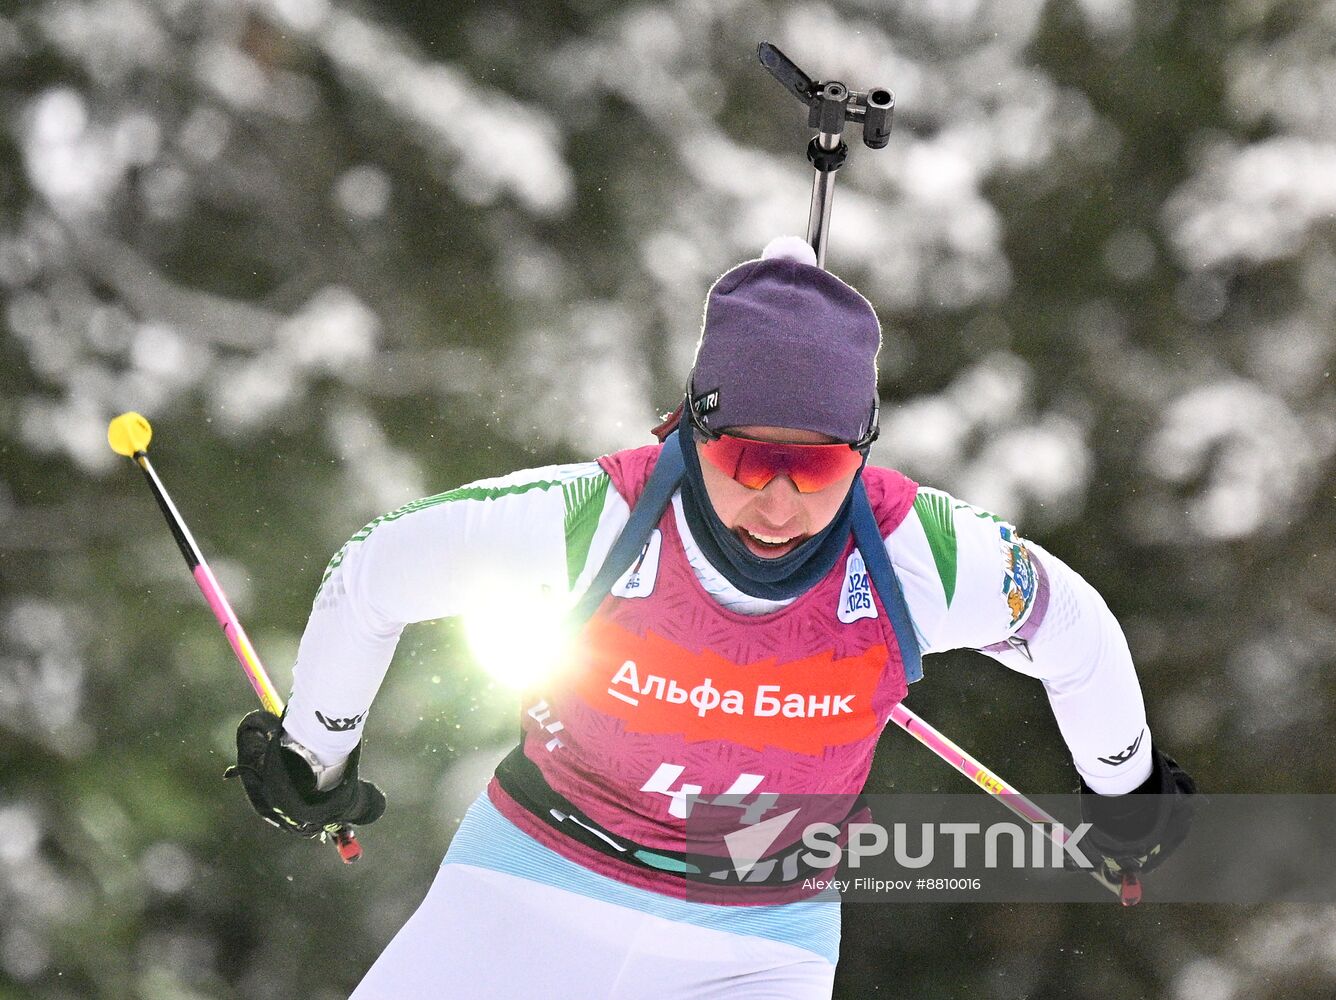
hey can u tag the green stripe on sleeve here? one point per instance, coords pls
(584, 507)
(935, 514)
(462, 493)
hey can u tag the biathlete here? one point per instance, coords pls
(746, 652)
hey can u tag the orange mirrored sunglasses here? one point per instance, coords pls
(812, 467)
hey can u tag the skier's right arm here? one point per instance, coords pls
(495, 540)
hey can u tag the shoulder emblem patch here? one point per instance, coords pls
(1019, 583)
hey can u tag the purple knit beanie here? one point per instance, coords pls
(787, 344)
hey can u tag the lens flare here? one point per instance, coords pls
(520, 640)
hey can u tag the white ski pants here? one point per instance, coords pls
(487, 934)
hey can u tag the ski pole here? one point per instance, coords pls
(129, 435)
(1128, 892)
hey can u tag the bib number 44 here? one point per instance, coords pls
(682, 798)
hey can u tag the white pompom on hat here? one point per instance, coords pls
(790, 248)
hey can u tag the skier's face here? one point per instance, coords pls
(774, 520)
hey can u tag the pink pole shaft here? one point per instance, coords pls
(968, 765)
(239, 640)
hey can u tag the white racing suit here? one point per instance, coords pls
(517, 910)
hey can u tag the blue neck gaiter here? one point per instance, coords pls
(776, 579)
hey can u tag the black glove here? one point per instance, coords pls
(282, 787)
(1134, 833)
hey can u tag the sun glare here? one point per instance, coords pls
(521, 640)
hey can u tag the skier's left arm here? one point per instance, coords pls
(973, 582)
(1059, 630)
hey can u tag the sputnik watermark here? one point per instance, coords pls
(1034, 845)
(910, 847)
(870, 846)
